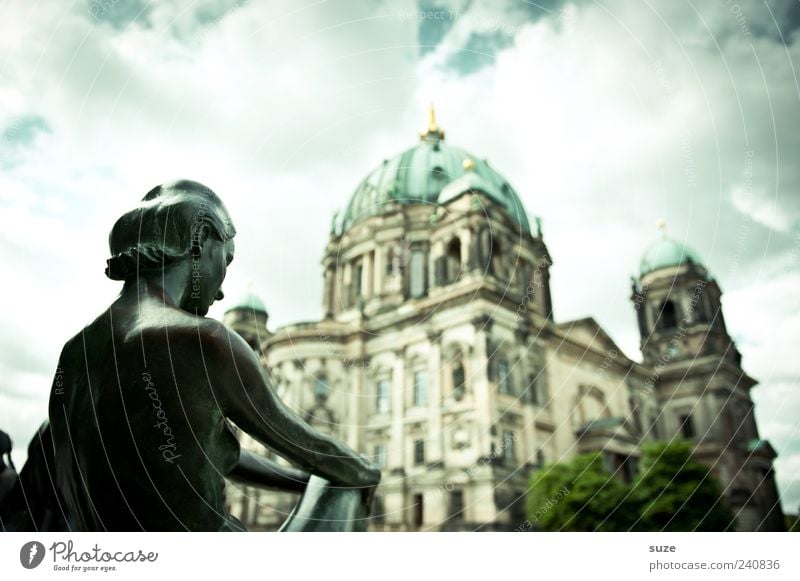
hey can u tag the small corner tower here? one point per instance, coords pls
(702, 392)
(248, 317)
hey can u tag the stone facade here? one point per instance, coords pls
(439, 358)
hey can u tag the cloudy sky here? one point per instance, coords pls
(605, 116)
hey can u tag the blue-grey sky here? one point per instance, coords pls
(605, 116)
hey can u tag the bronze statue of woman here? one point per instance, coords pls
(143, 396)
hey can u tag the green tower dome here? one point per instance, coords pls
(667, 252)
(431, 172)
(250, 302)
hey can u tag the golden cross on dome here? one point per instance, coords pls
(432, 119)
(432, 131)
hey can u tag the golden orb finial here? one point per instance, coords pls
(468, 164)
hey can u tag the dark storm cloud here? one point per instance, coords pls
(182, 20)
(786, 15)
(119, 14)
(479, 52)
(435, 21)
(24, 130)
(535, 9)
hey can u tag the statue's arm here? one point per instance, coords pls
(248, 398)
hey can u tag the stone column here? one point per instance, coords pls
(435, 252)
(327, 299)
(479, 383)
(344, 285)
(397, 453)
(466, 248)
(357, 389)
(435, 436)
(526, 435)
(367, 276)
(379, 268)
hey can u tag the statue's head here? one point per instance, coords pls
(183, 224)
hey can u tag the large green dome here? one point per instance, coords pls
(667, 252)
(420, 174)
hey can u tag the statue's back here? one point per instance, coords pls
(140, 444)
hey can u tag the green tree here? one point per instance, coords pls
(576, 495)
(672, 492)
(675, 492)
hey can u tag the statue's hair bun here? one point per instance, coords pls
(121, 266)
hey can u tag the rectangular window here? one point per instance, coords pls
(687, 427)
(382, 399)
(508, 447)
(418, 511)
(417, 268)
(420, 388)
(458, 380)
(456, 508)
(380, 456)
(503, 378)
(358, 274)
(419, 452)
(390, 262)
(541, 389)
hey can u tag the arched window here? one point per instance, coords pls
(322, 389)
(495, 257)
(453, 260)
(459, 380)
(668, 316)
(417, 281)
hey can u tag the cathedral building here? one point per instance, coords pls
(439, 358)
